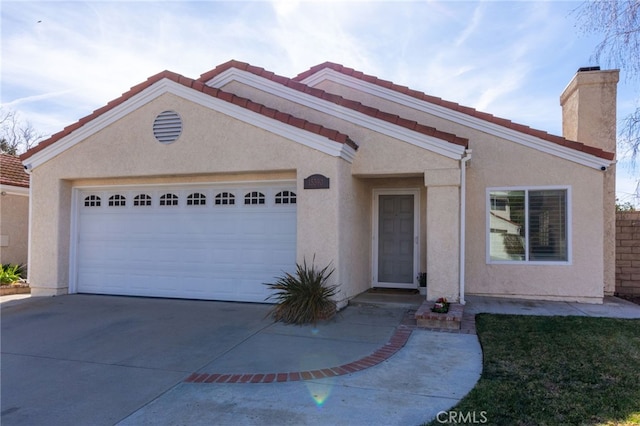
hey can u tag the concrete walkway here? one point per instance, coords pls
(103, 360)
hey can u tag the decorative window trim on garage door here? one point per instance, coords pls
(169, 200)
(286, 197)
(196, 199)
(207, 195)
(254, 198)
(225, 198)
(142, 200)
(117, 200)
(92, 201)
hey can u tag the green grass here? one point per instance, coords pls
(557, 371)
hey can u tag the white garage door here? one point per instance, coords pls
(204, 242)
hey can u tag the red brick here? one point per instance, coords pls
(269, 378)
(282, 377)
(339, 371)
(257, 378)
(306, 375)
(191, 378)
(223, 378)
(246, 378)
(201, 378)
(317, 374)
(234, 378)
(294, 377)
(328, 372)
(350, 368)
(212, 378)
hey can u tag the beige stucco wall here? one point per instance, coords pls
(387, 162)
(501, 163)
(497, 165)
(212, 147)
(14, 225)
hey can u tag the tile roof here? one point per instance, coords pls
(12, 171)
(457, 107)
(338, 100)
(201, 87)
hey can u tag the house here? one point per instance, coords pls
(14, 211)
(207, 188)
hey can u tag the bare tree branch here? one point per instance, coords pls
(618, 21)
(16, 136)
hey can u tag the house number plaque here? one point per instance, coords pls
(316, 181)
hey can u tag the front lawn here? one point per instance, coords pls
(554, 371)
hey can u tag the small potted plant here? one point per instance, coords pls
(422, 283)
(441, 306)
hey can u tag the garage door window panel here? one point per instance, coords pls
(225, 199)
(286, 197)
(117, 201)
(196, 199)
(142, 200)
(92, 201)
(254, 198)
(169, 200)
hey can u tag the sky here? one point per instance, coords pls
(62, 60)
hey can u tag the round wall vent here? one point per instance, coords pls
(167, 127)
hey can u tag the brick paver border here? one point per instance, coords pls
(395, 343)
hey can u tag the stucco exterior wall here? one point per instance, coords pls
(498, 162)
(212, 147)
(378, 154)
(14, 226)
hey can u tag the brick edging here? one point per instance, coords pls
(395, 343)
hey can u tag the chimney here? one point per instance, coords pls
(589, 116)
(589, 108)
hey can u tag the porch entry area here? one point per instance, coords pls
(396, 247)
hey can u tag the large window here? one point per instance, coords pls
(528, 225)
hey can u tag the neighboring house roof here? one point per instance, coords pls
(336, 99)
(289, 119)
(12, 172)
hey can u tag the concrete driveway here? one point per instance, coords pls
(104, 360)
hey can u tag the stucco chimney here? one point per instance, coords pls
(589, 108)
(589, 116)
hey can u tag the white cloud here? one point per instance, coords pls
(511, 59)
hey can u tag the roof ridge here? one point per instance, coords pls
(201, 87)
(522, 128)
(337, 99)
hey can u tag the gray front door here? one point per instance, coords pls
(395, 240)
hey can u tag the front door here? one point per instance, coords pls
(396, 241)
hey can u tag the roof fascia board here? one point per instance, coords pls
(13, 190)
(165, 85)
(430, 143)
(460, 118)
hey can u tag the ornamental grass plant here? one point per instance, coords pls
(305, 297)
(10, 274)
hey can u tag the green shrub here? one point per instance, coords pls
(305, 297)
(10, 274)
